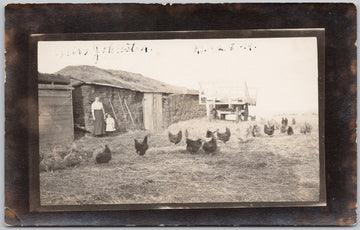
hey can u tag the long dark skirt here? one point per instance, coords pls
(99, 123)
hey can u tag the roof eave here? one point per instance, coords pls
(119, 87)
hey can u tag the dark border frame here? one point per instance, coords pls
(35, 205)
(339, 21)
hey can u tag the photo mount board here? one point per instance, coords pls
(81, 34)
(318, 33)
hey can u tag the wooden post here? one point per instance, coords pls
(124, 113)
(113, 110)
(246, 112)
(127, 107)
(208, 111)
(237, 113)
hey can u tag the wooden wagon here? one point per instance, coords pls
(228, 100)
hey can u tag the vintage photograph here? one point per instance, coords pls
(158, 121)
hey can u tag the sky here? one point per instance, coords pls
(283, 70)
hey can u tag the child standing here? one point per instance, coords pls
(110, 123)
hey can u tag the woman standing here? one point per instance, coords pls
(98, 114)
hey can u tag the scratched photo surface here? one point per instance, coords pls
(178, 121)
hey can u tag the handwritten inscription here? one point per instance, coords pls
(224, 48)
(97, 51)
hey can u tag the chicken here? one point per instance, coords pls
(186, 133)
(141, 147)
(59, 158)
(73, 158)
(305, 128)
(175, 138)
(209, 134)
(192, 146)
(269, 130)
(284, 121)
(224, 137)
(104, 156)
(290, 131)
(253, 130)
(210, 146)
(52, 162)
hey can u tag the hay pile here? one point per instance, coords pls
(61, 157)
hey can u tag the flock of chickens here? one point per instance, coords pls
(193, 145)
(270, 129)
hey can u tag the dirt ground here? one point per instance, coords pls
(245, 169)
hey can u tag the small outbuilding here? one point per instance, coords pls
(56, 124)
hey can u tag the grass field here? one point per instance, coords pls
(245, 169)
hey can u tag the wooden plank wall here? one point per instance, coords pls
(153, 114)
(158, 115)
(148, 111)
(55, 117)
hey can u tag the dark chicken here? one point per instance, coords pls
(175, 138)
(210, 146)
(192, 146)
(224, 137)
(269, 130)
(256, 130)
(104, 156)
(141, 147)
(284, 121)
(290, 131)
(305, 128)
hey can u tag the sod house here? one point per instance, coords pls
(134, 101)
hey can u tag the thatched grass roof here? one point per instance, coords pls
(120, 79)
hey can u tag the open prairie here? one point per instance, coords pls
(245, 169)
